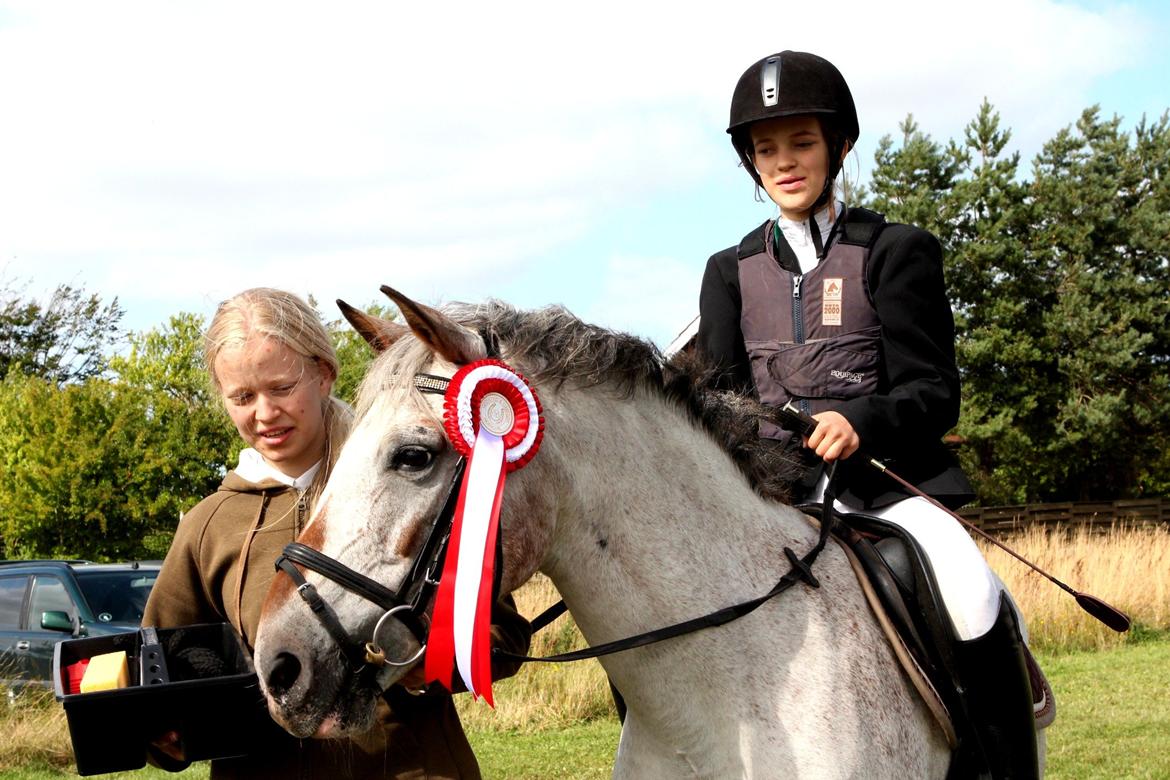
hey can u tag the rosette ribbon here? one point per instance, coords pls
(493, 418)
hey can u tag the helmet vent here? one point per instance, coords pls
(770, 81)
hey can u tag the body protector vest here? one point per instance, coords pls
(813, 338)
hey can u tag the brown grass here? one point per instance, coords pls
(543, 695)
(1126, 567)
(34, 731)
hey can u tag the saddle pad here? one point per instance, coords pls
(1043, 699)
(913, 671)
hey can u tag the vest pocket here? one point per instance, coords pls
(838, 368)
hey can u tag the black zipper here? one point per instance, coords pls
(798, 327)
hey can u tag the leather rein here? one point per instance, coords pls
(409, 603)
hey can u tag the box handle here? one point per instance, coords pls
(152, 664)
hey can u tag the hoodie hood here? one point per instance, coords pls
(234, 483)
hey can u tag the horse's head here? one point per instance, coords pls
(390, 484)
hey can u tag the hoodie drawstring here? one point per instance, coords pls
(242, 564)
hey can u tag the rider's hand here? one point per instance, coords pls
(833, 438)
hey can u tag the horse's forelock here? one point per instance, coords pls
(391, 377)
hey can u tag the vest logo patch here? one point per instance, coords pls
(848, 376)
(831, 294)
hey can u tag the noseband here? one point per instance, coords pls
(408, 604)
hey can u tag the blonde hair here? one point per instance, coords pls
(280, 315)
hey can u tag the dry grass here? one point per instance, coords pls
(543, 695)
(1126, 567)
(34, 731)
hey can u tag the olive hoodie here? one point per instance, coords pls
(202, 581)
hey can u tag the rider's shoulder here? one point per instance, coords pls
(753, 243)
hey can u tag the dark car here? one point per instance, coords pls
(44, 602)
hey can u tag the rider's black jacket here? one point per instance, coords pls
(917, 400)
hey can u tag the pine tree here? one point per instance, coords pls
(1061, 294)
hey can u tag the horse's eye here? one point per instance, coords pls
(413, 458)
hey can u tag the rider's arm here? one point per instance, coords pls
(720, 337)
(918, 399)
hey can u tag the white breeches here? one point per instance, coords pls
(969, 588)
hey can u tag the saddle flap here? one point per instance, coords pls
(904, 583)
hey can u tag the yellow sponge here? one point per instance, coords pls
(106, 672)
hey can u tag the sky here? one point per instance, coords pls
(172, 154)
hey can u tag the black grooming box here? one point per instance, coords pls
(197, 680)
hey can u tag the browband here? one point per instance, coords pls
(429, 383)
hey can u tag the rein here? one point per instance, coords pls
(409, 603)
(800, 571)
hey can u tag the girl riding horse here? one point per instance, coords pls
(832, 308)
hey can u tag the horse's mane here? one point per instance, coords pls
(733, 420)
(551, 345)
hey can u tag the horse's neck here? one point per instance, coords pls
(655, 525)
(657, 516)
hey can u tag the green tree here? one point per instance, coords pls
(95, 469)
(910, 182)
(998, 297)
(1060, 292)
(103, 468)
(62, 340)
(168, 360)
(1102, 232)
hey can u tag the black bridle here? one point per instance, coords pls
(409, 603)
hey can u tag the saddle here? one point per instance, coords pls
(900, 586)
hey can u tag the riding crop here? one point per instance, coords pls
(797, 421)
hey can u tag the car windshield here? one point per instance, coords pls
(117, 596)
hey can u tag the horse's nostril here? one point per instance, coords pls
(285, 670)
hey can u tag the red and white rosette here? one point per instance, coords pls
(493, 418)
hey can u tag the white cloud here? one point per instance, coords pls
(175, 153)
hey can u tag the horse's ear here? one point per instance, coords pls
(379, 333)
(442, 334)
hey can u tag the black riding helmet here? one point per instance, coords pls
(789, 84)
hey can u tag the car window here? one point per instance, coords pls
(117, 596)
(12, 600)
(48, 594)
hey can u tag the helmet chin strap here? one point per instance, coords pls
(814, 229)
(823, 198)
(815, 232)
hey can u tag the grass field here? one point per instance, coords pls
(1113, 721)
(1113, 691)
